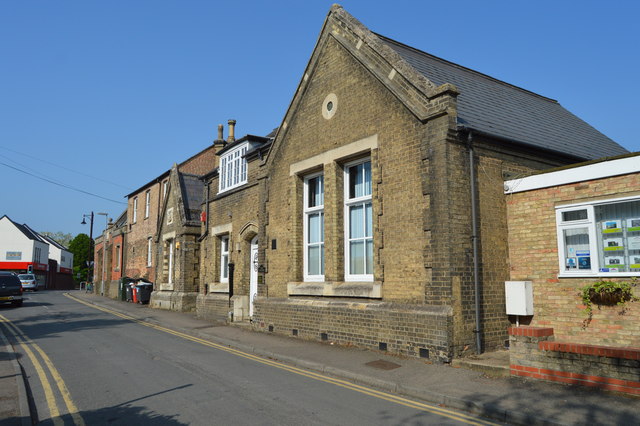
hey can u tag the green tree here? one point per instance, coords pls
(80, 246)
(59, 237)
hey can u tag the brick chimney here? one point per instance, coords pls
(232, 131)
(220, 142)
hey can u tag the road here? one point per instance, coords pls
(91, 366)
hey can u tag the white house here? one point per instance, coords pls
(60, 254)
(23, 250)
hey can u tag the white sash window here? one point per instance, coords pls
(314, 228)
(358, 216)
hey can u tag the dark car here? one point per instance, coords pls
(10, 288)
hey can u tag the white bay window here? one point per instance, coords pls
(233, 168)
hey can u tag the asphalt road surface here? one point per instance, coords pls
(96, 367)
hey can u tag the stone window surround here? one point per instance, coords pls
(224, 257)
(169, 255)
(147, 203)
(308, 211)
(135, 210)
(218, 231)
(341, 155)
(149, 251)
(118, 258)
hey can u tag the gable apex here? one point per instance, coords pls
(414, 90)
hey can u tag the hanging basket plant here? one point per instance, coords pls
(607, 293)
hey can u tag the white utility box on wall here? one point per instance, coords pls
(519, 295)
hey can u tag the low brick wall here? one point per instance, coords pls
(534, 353)
(419, 331)
(213, 307)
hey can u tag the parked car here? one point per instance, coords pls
(28, 281)
(10, 288)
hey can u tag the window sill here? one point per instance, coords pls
(600, 275)
(233, 190)
(370, 290)
(219, 288)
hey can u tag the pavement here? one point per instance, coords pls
(478, 385)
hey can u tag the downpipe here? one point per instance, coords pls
(474, 239)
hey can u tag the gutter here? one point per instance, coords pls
(464, 128)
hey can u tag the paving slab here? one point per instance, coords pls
(14, 404)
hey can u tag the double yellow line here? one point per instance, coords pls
(27, 345)
(306, 373)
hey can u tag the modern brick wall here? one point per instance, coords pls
(533, 256)
(535, 354)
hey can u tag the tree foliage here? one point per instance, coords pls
(80, 246)
(59, 237)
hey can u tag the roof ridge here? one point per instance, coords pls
(384, 38)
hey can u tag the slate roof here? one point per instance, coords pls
(191, 187)
(122, 219)
(500, 109)
(30, 233)
(53, 242)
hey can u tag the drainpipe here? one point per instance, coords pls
(232, 268)
(474, 238)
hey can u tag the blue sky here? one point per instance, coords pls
(104, 96)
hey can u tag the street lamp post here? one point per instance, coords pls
(92, 246)
(90, 257)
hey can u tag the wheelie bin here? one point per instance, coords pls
(129, 291)
(144, 292)
(124, 283)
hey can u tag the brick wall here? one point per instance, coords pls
(213, 307)
(421, 198)
(396, 174)
(141, 230)
(404, 329)
(201, 163)
(535, 354)
(533, 256)
(234, 214)
(144, 228)
(180, 292)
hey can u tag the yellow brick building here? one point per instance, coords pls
(375, 215)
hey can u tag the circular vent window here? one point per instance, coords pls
(329, 106)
